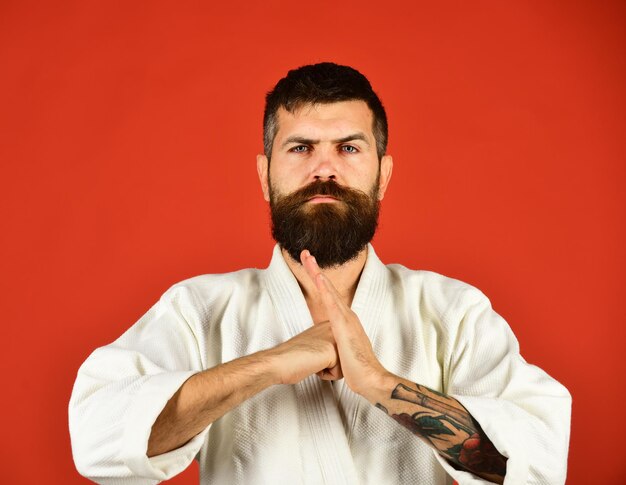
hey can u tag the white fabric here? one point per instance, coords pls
(427, 328)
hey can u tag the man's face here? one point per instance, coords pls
(325, 181)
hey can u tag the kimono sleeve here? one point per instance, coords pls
(524, 411)
(122, 388)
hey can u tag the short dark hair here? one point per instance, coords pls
(322, 83)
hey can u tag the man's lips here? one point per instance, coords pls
(321, 199)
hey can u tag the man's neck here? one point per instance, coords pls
(344, 278)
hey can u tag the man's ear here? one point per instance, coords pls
(386, 168)
(262, 167)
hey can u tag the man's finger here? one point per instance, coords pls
(311, 267)
(330, 296)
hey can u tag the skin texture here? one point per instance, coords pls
(333, 141)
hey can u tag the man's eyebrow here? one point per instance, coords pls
(355, 136)
(309, 141)
(300, 140)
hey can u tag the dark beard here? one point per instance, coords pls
(334, 233)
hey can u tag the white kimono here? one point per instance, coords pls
(427, 328)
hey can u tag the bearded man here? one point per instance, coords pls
(328, 366)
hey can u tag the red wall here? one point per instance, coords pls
(128, 139)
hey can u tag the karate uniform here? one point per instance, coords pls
(424, 327)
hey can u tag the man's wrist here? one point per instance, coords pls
(269, 362)
(379, 387)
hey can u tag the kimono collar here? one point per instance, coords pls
(369, 298)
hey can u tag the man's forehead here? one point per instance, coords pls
(338, 117)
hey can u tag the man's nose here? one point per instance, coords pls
(324, 166)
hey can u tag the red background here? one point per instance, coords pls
(128, 140)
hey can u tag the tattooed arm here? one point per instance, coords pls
(443, 423)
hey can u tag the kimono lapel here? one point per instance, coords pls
(370, 303)
(315, 396)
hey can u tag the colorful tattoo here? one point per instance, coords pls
(448, 426)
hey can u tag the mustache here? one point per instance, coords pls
(328, 188)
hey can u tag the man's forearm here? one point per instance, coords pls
(443, 423)
(207, 396)
(440, 420)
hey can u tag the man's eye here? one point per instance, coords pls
(300, 149)
(348, 149)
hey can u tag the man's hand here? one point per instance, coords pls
(311, 352)
(208, 395)
(440, 420)
(361, 369)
